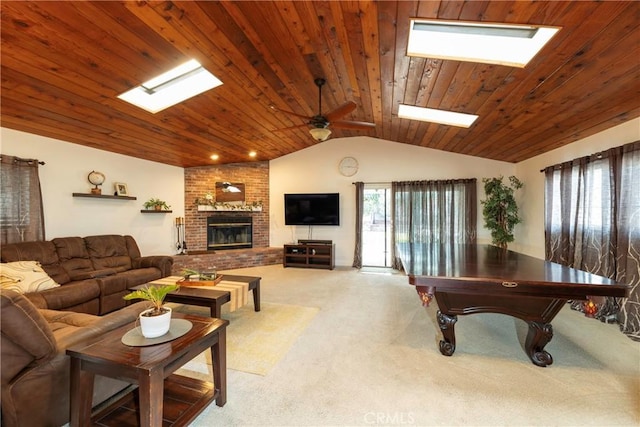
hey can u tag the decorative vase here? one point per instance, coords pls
(155, 326)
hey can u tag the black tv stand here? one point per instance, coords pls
(315, 242)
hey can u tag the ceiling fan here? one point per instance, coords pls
(320, 122)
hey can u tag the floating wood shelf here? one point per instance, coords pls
(103, 196)
(154, 211)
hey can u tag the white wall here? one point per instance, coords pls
(65, 172)
(530, 234)
(315, 169)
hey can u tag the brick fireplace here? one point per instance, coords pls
(202, 180)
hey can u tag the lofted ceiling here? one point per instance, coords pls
(64, 63)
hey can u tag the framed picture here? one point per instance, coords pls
(121, 189)
(230, 192)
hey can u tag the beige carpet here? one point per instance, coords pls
(256, 341)
(370, 357)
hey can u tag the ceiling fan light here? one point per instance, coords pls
(320, 134)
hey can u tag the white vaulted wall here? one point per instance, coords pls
(314, 169)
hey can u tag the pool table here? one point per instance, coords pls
(467, 279)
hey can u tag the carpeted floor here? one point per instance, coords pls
(256, 341)
(369, 356)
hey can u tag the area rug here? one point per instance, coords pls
(256, 341)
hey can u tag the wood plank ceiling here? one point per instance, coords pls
(64, 63)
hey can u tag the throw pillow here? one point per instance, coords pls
(25, 277)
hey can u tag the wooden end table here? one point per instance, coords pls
(149, 367)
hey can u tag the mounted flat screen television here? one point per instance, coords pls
(312, 209)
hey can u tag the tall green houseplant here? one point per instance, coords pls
(500, 210)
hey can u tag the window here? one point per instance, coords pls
(592, 223)
(21, 217)
(170, 88)
(433, 212)
(504, 44)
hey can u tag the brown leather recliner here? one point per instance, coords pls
(35, 368)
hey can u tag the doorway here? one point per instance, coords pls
(376, 226)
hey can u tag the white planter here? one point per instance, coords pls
(155, 326)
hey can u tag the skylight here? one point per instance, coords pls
(443, 117)
(512, 45)
(170, 88)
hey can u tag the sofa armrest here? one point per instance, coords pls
(84, 275)
(164, 263)
(26, 339)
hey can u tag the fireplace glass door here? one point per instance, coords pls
(229, 233)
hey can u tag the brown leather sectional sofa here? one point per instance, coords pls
(95, 271)
(35, 369)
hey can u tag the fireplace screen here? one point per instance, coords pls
(229, 232)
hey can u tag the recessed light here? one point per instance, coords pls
(252, 154)
(214, 157)
(170, 88)
(432, 115)
(504, 44)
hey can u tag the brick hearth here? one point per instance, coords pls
(227, 260)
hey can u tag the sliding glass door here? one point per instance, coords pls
(376, 226)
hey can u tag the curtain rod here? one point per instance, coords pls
(18, 159)
(373, 183)
(598, 156)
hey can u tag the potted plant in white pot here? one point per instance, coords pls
(500, 209)
(155, 321)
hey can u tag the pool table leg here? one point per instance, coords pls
(447, 323)
(539, 335)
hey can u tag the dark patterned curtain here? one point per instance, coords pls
(433, 212)
(592, 223)
(21, 214)
(357, 252)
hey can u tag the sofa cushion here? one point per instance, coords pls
(112, 290)
(108, 251)
(132, 247)
(25, 276)
(43, 252)
(141, 275)
(69, 296)
(70, 328)
(73, 256)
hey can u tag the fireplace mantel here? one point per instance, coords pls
(239, 208)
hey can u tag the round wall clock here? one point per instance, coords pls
(348, 166)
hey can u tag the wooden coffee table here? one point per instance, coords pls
(151, 368)
(212, 298)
